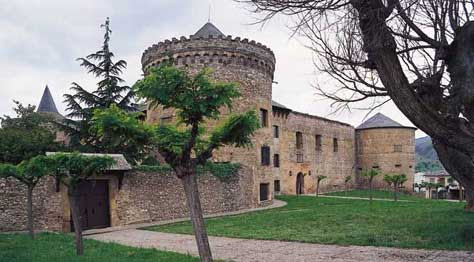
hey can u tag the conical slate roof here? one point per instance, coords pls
(47, 104)
(380, 121)
(208, 30)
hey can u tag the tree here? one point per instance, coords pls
(419, 186)
(120, 131)
(82, 103)
(184, 147)
(428, 186)
(395, 180)
(319, 178)
(416, 53)
(26, 135)
(370, 174)
(72, 170)
(28, 172)
(347, 180)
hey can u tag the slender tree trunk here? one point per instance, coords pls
(30, 211)
(76, 219)
(317, 188)
(469, 200)
(395, 193)
(370, 189)
(195, 211)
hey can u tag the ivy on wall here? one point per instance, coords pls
(222, 170)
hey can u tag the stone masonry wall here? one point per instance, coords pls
(377, 148)
(47, 208)
(335, 165)
(143, 197)
(146, 197)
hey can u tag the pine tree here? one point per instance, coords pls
(82, 103)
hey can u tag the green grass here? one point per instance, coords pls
(376, 194)
(428, 224)
(50, 247)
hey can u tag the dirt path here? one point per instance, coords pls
(247, 250)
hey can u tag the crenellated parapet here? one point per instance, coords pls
(209, 50)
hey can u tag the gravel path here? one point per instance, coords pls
(247, 250)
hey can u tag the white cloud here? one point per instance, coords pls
(40, 40)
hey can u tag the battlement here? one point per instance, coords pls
(211, 49)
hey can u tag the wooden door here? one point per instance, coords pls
(300, 184)
(94, 204)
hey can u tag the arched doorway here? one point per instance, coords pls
(300, 183)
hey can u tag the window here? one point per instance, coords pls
(299, 140)
(335, 145)
(276, 160)
(264, 191)
(263, 117)
(398, 165)
(265, 155)
(166, 120)
(397, 148)
(318, 143)
(299, 158)
(276, 132)
(276, 186)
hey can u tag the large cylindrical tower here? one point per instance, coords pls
(248, 63)
(388, 146)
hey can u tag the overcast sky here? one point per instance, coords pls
(41, 39)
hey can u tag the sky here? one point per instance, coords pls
(40, 41)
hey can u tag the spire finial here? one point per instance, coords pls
(209, 14)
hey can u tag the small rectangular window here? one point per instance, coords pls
(263, 117)
(276, 185)
(397, 148)
(335, 144)
(299, 158)
(318, 143)
(276, 132)
(299, 140)
(264, 191)
(265, 155)
(276, 160)
(398, 165)
(166, 120)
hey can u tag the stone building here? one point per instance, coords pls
(289, 151)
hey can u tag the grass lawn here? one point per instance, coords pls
(426, 224)
(376, 194)
(50, 247)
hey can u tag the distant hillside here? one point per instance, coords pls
(426, 156)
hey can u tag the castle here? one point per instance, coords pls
(289, 151)
(292, 148)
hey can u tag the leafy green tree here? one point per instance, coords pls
(185, 146)
(419, 186)
(28, 172)
(347, 180)
(395, 180)
(370, 174)
(428, 187)
(26, 135)
(72, 170)
(120, 131)
(82, 103)
(319, 178)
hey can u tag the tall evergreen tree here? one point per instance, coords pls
(82, 103)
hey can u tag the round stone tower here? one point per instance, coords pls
(248, 63)
(388, 146)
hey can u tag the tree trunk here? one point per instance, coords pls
(73, 196)
(195, 212)
(460, 166)
(395, 192)
(370, 189)
(317, 188)
(29, 209)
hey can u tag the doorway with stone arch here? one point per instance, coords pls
(300, 184)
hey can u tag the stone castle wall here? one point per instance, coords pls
(143, 197)
(323, 161)
(250, 65)
(392, 150)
